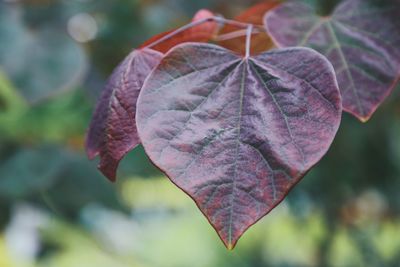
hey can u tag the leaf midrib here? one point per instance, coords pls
(346, 65)
(238, 127)
(338, 46)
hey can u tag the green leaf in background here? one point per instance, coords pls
(46, 174)
(41, 63)
(29, 171)
(83, 185)
(64, 120)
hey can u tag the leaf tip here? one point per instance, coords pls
(364, 119)
(230, 247)
(109, 170)
(112, 177)
(229, 241)
(361, 117)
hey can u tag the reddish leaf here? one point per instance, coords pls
(112, 132)
(201, 33)
(237, 134)
(361, 39)
(260, 41)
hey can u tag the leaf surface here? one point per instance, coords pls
(361, 38)
(261, 41)
(237, 134)
(112, 132)
(201, 33)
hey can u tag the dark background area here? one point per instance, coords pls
(57, 210)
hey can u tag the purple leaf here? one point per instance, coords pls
(361, 39)
(112, 132)
(237, 134)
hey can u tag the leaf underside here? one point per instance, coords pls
(112, 132)
(361, 38)
(237, 134)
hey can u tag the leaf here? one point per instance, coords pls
(361, 39)
(30, 171)
(40, 63)
(201, 33)
(261, 41)
(237, 134)
(112, 132)
(80, 180)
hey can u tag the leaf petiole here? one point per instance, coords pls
(222, 21)
(248, 40)
(235, 34)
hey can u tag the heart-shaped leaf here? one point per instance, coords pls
(236, 134)
(361, 39)
(112, 132)
(201, 33)
(260, 42)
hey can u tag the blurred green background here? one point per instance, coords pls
(56, 210)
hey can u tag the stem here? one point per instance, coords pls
(179, 30)
(235, 23)
(235, 34)
(219, 20)
(248, 40)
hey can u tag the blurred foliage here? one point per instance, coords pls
(57, 210)
(40, 61)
